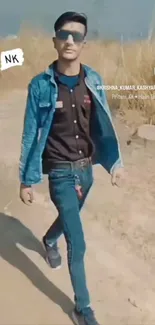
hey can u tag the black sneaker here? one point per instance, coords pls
(53, 258)
(85, 317)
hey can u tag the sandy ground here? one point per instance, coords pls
(119, 225)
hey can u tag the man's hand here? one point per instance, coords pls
(26, 194)
(117, 176)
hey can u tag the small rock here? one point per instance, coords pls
(133, 303)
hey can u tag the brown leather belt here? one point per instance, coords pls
(85, 162)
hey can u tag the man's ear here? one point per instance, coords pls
(54, 39)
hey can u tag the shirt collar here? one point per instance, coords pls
(57, 74)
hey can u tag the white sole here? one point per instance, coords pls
(74, 319)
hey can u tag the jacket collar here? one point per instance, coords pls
(91, 76)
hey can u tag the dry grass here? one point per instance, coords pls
(128, 64)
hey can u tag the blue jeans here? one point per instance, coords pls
(63, 194)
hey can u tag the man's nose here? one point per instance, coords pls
(70, 39)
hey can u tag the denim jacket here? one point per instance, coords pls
(39, 113)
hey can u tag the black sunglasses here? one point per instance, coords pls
(63, 34)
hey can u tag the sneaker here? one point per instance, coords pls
(53, 258)
(85, 317)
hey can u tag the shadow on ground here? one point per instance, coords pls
(13, 232)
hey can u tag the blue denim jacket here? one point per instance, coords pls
(39, 112)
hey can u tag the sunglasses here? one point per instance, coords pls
(63, 35)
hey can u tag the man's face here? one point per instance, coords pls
(69, 45)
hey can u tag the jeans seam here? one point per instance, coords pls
(70, 242)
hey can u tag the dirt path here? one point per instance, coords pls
(119, 226)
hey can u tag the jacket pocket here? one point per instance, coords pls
(44, 110)
(44, 104)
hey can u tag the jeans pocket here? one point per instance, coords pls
(59, 173)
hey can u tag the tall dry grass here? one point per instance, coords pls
(119, 64)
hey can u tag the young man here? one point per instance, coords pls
(67, 129)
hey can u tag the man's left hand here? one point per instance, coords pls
(117, 176)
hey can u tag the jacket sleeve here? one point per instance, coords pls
(119, 162)
(30, 130)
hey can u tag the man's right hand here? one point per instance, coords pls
(26, 194)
